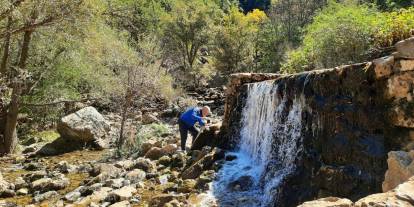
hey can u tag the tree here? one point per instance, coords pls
(187, 29)
(293, 16)
(33, 15)
(235, 47)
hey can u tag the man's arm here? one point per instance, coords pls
(198, 119)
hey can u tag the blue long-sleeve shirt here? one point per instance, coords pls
(191, 116)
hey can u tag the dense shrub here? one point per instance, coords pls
(344, 33)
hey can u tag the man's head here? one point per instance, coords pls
(205, 111)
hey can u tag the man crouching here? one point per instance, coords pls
(187, 121)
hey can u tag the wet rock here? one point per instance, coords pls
(187, 186)
(148, 118)
(161, 200)
(400, 169)
(230, 157)
(208, 137)
(328, 202)
(243, 183)
(48, 184)
(204, 179)
(165, 160)
(45, 196)
(155, 153)
(205, 163)
(135, 175)
(85, 126)
(121, 194)
(405, 48)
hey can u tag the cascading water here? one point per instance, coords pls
(270, 141)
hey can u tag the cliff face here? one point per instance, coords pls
(352, 116)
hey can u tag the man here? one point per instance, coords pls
(187, 121)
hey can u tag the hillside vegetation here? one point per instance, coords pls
(121, 53)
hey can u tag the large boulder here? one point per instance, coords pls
(208, 137)
(205, 163)
(405, 48)
(400, 169)
(402, 196)
(86, 126)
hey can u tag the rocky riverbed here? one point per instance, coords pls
(160, 177)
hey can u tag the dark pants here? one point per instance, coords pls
(184, 129)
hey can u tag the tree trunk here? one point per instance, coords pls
(9, 133)
(4, 60)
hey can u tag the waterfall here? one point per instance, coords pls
(270, 142)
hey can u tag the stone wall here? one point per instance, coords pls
(354, 116)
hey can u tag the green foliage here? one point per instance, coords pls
(393, 27)
(186, 30)
(344, 33)
(236, 41)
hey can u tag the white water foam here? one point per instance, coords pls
(270, 140)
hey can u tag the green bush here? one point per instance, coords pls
(393, 27)
(344, 33)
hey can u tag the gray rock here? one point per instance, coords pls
(45, 196)
(125, 164)
(48, 184)
(86, 125)
(405, 48)
(30, 177)
(103, 168)
(19, 182)
(135, 175)
(144, 164)
(6, 188)
(65, 167)
(72, 196)
(22, 191)
(115, 183)
(121, 194)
